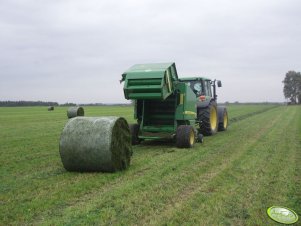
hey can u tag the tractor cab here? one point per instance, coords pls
(204, 88)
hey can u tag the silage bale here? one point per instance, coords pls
(75, 111)
(96, 144)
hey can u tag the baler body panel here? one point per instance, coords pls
(186, 108)
(149, 81)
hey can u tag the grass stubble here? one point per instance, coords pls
(231, 179)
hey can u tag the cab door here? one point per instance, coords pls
(207, 88)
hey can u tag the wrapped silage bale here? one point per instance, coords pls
(75, 111)
(96, 144)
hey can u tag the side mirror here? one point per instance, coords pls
(219, 83)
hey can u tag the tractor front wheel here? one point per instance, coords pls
(185, 137)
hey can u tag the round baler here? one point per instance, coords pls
(167, 106)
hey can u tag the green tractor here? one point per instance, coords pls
(167, 106)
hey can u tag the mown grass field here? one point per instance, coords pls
(230, 179)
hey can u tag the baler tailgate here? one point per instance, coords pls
(153, 81)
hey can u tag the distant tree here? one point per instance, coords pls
(292, 87)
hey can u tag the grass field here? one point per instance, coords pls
(230, 179)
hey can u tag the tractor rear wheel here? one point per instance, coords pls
(223, 119)
(208, 119)
(185, 137)
(134, 129)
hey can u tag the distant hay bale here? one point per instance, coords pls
(50, 108)
(75, 111)
(96, 144)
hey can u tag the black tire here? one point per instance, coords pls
(185, 137)
(208, 119)
(222, 118)
(134, 129)
(200, 138)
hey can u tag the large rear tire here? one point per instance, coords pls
(185, 137)
(208, 119)
(222, 118)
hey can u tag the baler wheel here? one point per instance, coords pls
(134, 129)
(185, 137)
(208, 119)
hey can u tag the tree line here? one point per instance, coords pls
(292, 87)
(22, 103)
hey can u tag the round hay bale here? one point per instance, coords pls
(50, 108)
(75, 111)
(96, 144)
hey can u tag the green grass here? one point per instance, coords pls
(231, 179)
(237, 110)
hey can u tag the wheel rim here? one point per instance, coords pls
(191, 138)
(213, 118)
(225, 120)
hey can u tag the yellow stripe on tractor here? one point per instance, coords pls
(189, 113)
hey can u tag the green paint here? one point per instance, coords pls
(149, 81)
(162, 102)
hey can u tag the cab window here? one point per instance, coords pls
(197, 87)
(208, 88)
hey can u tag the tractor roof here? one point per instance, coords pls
(193, 79)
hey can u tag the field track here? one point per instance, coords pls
(230, 179)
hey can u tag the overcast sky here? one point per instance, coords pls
(76, 51)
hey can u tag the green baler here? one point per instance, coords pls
(165, 106)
